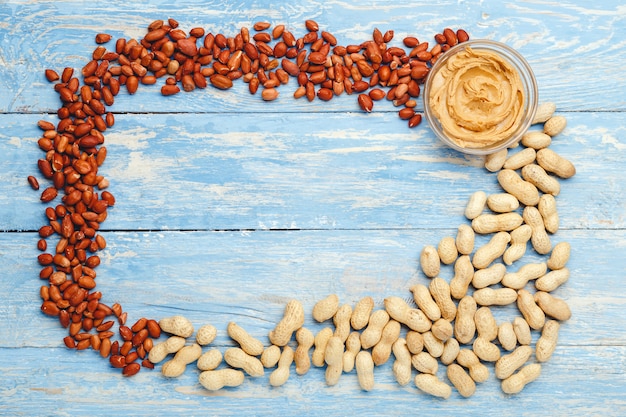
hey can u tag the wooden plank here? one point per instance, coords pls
(38, 36)
(250, 276)
(78, 384)
(290, 172)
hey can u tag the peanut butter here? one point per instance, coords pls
(478, 98)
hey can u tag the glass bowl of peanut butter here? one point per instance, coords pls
(480, 97)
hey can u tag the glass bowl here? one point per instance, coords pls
(471, 113)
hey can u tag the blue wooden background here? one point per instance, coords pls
(228, 206)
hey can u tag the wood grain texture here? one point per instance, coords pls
(228, 207)
(226, 172)
(220, 276)
(556, 39)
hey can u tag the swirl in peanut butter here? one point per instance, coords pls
(478, 98)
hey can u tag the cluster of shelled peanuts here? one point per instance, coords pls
(451, 322)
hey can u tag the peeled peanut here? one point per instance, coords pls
(502, 203)
(447, 250)
(461, 380)
(513, 184)
(292, 320)
(325, 309)
(469, 360)
(400, 311)
(538, 177)
(519, 240)
(382, 349)
(432, 385)
(373, 332)
(559, 256)
(495, 161)
(519, 279)
(488, 253)
(464, 325)
(425, 302)
(539, 238)
(465, 239)
(440, 290)
(546, 344)
(425, 363)
(429, 261)
(495, 297)
(508, 364)
(305, 340)
(553, 306)
(475, 204)
(365, 370)
(216, 380)
(361, 313)
(555, 163)
(515, 383)
(549, 213)
(237, 358)
(249, 344)
(402, 365)
(353, 346)
(463, 275)
(552, 280)
(534, 316)
(518, 160)
(489, 276)
(280, 375)
(177, 325)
